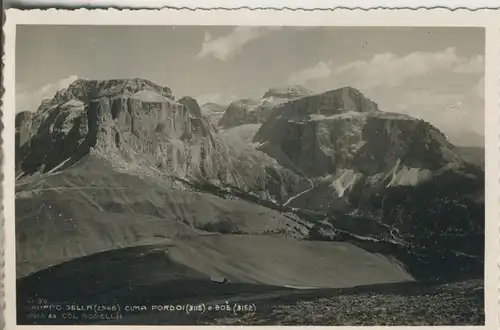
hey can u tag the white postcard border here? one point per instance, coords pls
(488, 19)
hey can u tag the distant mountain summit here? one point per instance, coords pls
(249, 111)
(243, 111)
(288, 92)
(214, 107)
(213, 111)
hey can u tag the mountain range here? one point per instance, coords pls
(297, 189)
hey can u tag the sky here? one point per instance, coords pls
(436, 74)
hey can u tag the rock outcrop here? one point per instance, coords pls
(248, 111)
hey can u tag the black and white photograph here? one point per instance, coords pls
(249, 175)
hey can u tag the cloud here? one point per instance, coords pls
(318, 71)
(452, 113)
(389, 80)
(390, 70)
(30, 100)
(470, 65)
(423, 102)
(225, 47)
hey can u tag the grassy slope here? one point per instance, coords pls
(281, 261)
(91, 208)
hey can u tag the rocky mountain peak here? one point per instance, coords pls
(243, 102)
(324, 133)
(249, 111)
(240, 112)
(295, 102)
(288, 92)
(123, 120)
(329, 103)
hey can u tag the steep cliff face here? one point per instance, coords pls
(248, 111)
(320, 135)
(133, 123)
(145, 132)
(369, 143)
(123, 127)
